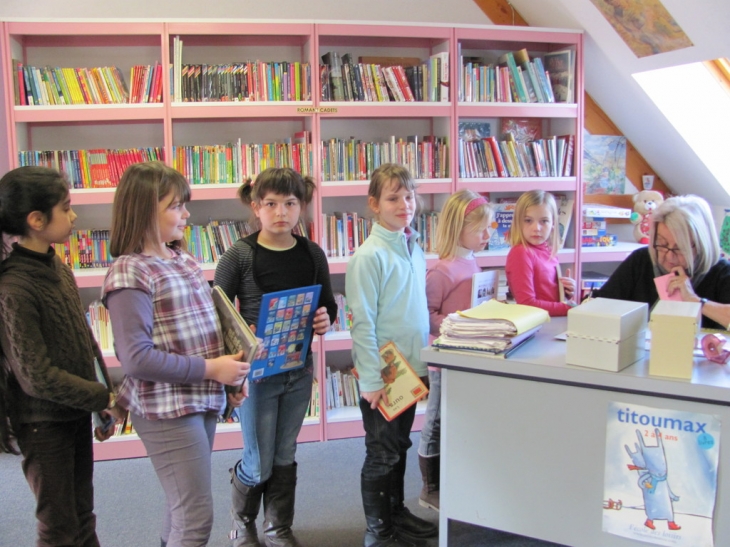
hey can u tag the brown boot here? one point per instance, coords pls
(430, 470)
(245, 505)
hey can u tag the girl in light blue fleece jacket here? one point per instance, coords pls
(386, 291)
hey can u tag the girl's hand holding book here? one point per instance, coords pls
(321, 323)
(227, 369)
(374, 397)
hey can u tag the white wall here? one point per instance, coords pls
(431, 11)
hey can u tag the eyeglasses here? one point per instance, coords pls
(664, 250)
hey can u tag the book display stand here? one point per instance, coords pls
(338, 142)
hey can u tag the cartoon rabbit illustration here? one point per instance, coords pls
(651, 464)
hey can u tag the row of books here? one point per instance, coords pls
(65, 86)
(384, 79)
(344, 232)
(489, 157)
(353, 159)
(343, 321)
(101, 326)
(97, 168)
(235, 162)
(207, 243)
(85, 249)
(517, 78)
(342, 388)
(241, 81)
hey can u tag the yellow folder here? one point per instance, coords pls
(522, 317)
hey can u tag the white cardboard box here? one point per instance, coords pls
(674, 327)
(606, 334)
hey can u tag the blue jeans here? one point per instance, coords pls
(271, 419)
(385, 442)
(430, 443)
(58, 463)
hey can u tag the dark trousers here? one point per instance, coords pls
(58, 463)
(385, 441)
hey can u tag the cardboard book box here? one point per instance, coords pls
(606, 334)
(674, 327)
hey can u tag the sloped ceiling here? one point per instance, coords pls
(609, 65)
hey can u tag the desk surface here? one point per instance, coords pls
(543, 359)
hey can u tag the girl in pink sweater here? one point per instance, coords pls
(532, 268)
(462, 230)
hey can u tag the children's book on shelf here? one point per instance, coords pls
(484, 286)
(285, 328)
(560, 65)
(403, 386)
(503, 214)
(474, 130)
(522, 129)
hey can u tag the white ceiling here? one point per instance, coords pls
(609, 65)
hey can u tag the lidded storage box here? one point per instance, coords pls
(606, 334)
(674, 326)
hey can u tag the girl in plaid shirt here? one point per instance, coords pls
(168, 339)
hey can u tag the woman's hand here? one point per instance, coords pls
(374, 397)
(227, 369)
(681, 284)
(321, 323)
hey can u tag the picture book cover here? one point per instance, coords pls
(503, 213)
(285, 328)
(660, 480)
(402, 385)
(484, 286)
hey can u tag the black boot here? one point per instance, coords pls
(245, 505)
(376, 503)
(430, 470)
(279, 507)
(406, 523)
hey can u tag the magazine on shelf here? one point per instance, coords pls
(285, 330)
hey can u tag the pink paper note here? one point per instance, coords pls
(661, 287)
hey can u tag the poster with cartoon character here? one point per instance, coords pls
(660, 479)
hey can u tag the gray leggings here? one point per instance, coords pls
(180, 449)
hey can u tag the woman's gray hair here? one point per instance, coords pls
(689, 218)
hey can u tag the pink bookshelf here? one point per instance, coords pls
(177, 123)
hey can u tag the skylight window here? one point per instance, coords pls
(696, 101)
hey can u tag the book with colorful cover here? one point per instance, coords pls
(237, 337)
(484, 286)
(403, 386)
(503, 214)
(285, 328)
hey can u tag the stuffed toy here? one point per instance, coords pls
(644, 203)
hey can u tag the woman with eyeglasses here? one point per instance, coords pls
(683, 242)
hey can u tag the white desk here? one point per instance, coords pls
(523, 438)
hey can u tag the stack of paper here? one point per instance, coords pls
(491, 326)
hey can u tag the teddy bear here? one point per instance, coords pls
(644, 203)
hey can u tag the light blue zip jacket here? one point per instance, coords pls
(385, 287)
